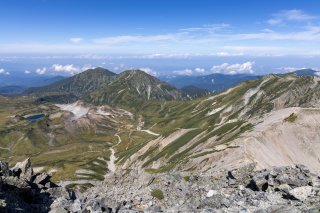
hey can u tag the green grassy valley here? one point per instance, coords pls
(159, 130)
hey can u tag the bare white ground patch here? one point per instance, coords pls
(51, 171)
(276, 142)
(76, 109)
(150, 132)
(214, 111)
(100, 111)
(111, 162)
(38, 169)
(85, 171)
(253, 91)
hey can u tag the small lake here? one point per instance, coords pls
(34, 117)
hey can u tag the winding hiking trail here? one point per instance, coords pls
(111, 163)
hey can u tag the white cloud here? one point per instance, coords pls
(76, 40)
(27, 72)
(4, 72)
(232, 69)
(309, 33)
(274, 21)
(41, 71)
(253, 48)
(161, 55)
(289, 15)
(227, 54)
(188, 55)
(199, 70)
(183, 72)
(207, 27)
(149, 71)
(87, 66)
(205, 40)
(115, 40)
(70, 68)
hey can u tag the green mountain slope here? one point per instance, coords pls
(131, 88)
(77, 85)
(165, 132)
(194, 129)
(195, 92)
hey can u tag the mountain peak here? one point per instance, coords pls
(136, 74)
(97, 70)
(134, 86)
(79, 85)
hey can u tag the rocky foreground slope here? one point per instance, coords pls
(282, 189)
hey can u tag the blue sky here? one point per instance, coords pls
(228, 36)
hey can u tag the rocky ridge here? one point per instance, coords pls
(283, 189)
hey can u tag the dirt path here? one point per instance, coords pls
(111, 163)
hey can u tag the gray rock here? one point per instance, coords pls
(4, 169)
(16, 182)
(301, 193)
(259, 183)
(42, 179)
(23, 170)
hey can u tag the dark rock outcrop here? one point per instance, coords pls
(23, 191)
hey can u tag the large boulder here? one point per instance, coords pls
(41, 178)
(301, 193)
(23, 170)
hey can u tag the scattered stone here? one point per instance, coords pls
(301, 193)
(281, 189)
(211, 193)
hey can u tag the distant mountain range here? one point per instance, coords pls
(12, 90)
(213, 83)
(95, 79)
(11, 85)
(307, 72)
